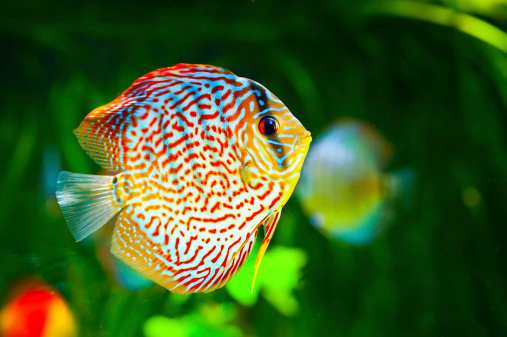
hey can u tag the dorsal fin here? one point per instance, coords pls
(99, 134)
(102, 133)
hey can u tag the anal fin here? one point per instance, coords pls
(131, 245)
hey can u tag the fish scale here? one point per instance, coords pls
(198, 178)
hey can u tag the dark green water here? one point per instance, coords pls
(438, 95)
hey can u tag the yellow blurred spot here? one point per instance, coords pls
(471, 197)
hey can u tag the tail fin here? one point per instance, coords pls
(86, 200)
(400, 186)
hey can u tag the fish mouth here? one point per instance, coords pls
(305, 138)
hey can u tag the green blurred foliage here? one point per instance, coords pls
(209, 320)
(430, 75)
(278, 276)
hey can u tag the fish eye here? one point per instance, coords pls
(268, 126)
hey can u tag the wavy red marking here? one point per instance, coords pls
(149, 224)
(177, 127)
(182, 90)
(182, 100)
(215, 207)
(167, 91)
(190, 157)
(157, 229)
(250, 218)
(226, 108)
(178, 142)
(217, 88)
(177, 243)
(218, 255)
(199, 248)
(221, 163)
(273, 203)
(256, 186)
(184, 119)
(265, 194)
(189, 243)
(207, 117)
(186, 209)
(205, 96)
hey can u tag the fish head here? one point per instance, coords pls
(277, 142)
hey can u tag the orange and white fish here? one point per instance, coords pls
(206, 158)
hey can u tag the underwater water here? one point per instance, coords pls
(429, 76)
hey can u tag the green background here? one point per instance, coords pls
(430, 75)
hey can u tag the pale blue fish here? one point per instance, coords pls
(343, 188)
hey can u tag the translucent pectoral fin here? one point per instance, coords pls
(269, 228)
(86, 200)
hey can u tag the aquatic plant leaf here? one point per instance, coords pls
(160, 326)
(210, 319)
(279, 276)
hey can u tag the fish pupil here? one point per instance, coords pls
(268, 126)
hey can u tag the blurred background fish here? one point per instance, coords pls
(343, 187)
(36, 310)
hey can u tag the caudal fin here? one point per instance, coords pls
(86, 201)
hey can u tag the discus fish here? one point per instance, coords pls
(343, 187)
(205, 158)
(36, 310)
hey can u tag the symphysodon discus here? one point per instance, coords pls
(344, 188)
(205, 158)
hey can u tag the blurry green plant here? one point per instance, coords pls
(210, 319)
(278, 276)
(447, 17)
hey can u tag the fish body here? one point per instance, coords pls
(36, 310)
(343, 186)
(205, 158)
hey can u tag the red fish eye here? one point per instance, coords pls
(268, 126)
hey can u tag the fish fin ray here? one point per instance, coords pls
(130, 242)
(100, 134)
(229, 273)
(270, 226)
(86, 200)
(163, 261)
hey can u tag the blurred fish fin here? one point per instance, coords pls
(86, 201)
(99, 134)
(269, 228)
(400, 186)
